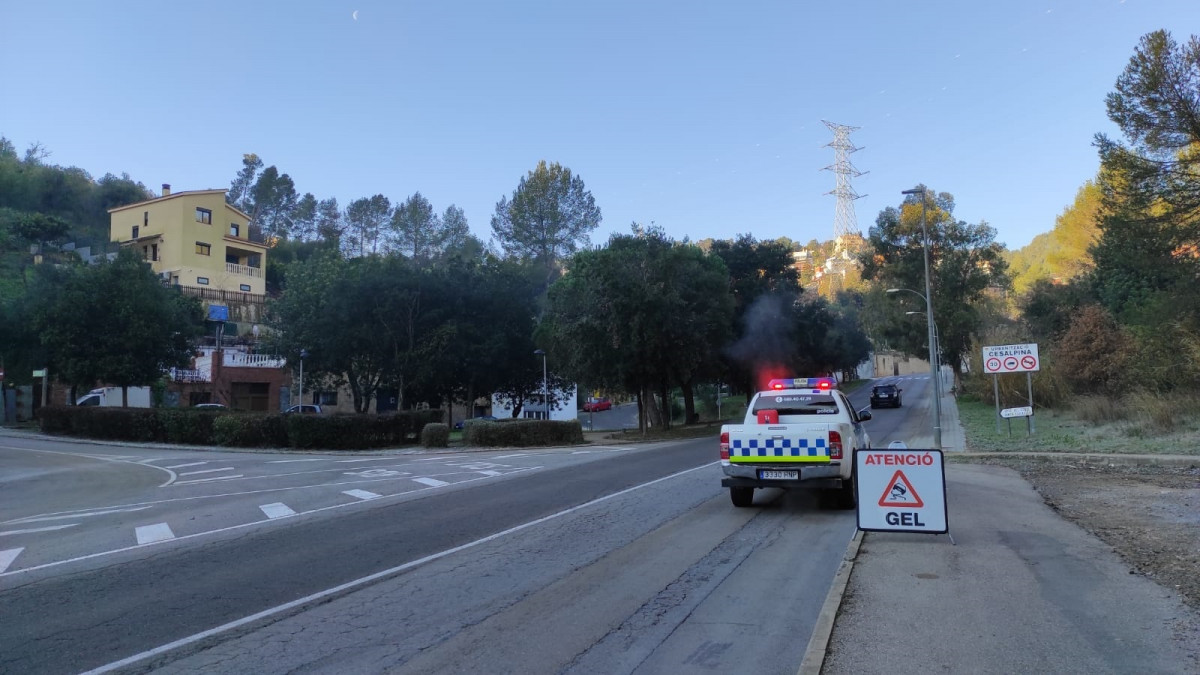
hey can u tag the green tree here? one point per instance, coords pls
(365, 219)
(114, 323)
(416, 228)
(964, 261)
(549, 217)
(266, 194)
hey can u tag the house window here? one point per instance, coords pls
(325, 397)
(244, 287)
(203, 248)
(154, 252)
(203, 216)
(234, 228)
(135, 231)
(145, 218)
(203, 281)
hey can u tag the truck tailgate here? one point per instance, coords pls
(782, 443)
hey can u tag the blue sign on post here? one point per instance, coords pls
(218, 313)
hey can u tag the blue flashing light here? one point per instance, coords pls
(819, 383)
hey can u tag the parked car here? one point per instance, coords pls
(597, 405)
(304, 410)
(885, 395)
(483, 418)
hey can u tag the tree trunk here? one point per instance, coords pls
(125, 397)
(641, 414)
(664, 392)
(689, 402)
(74, 398)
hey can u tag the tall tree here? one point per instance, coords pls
(416, 228)
(548, 218)
(365, 219)
(266, 194)
(964, 261)
(328, 223)
(304, 218)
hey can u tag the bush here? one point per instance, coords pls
(1099, 409)
(435, 435)
(184, 425)
(114, 424)
(1095, 352)
(250, 430)
(354, 432)
(523, 433)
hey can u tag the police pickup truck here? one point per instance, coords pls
(800, 433)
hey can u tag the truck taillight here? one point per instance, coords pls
(835, 445)
(725, 445)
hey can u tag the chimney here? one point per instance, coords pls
(166, 190)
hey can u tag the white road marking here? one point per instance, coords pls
(361, 494)
(180, 466)
(519, 454)
(582, 452)
(372, 459)
(148, 534)
(277, 510)
(7, 557)
(38, 529)
(193, 473)
(207, 480)
(231, 528)
(428, 459)
(431, 482)
(492, 473)
(377, 473)
(106, 459)
(290, 461)
(336, 590)
(83, 514)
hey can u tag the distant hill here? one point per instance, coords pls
(1062, 253)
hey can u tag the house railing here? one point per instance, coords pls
(187, 375)
(243, 360)
(244, 270)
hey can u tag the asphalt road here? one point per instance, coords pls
(534, 561)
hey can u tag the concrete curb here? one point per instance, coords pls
(1094, 459)
(814, 654)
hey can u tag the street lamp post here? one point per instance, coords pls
(545, 389)
(303, 355)
(933, 358)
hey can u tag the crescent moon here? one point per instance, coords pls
(354, 15)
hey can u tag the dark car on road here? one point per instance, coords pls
(885, 395)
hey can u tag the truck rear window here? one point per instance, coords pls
(789, 405)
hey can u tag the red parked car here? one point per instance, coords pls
(597, 405)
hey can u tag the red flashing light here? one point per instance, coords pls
(776, 385)
(824, 384)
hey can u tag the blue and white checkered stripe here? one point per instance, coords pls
(783, 447)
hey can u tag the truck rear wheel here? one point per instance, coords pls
(742, 496)
(847, 496)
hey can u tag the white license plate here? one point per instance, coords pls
(779, 475)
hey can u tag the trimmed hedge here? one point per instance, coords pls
(523, 433)
(242, 429)
(435, 435)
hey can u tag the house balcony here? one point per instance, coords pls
(244, 360)
(244, 270)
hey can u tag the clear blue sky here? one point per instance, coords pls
(704, 117)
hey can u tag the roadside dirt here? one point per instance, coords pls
(1149, 514)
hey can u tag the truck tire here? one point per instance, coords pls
(847, 497)
(741, 496)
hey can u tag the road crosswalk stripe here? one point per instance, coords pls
(361, 494)
(38, 529)
(277, 510)
(207, 480)
(7, 557)
(431, 482)
(148, 534)
(491, 473)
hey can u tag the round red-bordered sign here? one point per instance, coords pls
(1028, 361)
(993, 364)
(1010, 363)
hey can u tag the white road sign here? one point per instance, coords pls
(901, 490)
(1011, 359)
(1025, 411)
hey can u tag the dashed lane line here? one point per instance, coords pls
(519, 454)
(7, 557)
(492, 473)
(180, 466)
(193, 473)
(148, 534)
(431, 482)
(277, 510)
(292, 461)
(31, 530)
(369, 459)
(207, 480)
(361, 494)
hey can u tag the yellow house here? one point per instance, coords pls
(194, 239)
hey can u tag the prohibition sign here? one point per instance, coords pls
(1010, 363)
(1028, 361)
(993, 364)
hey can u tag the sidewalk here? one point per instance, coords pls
(1023, 591)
